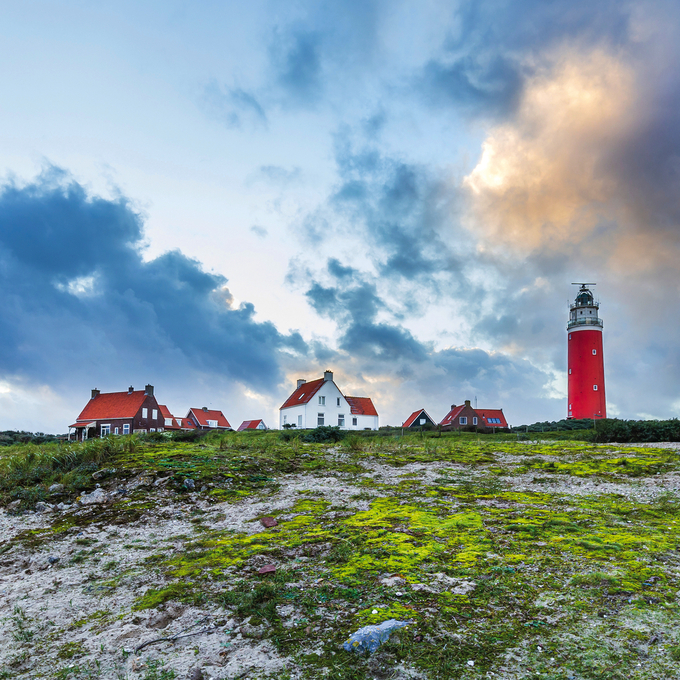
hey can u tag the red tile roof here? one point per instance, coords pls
(202, 417)
(304, 393)
(412, 418)
(113, 405)
(249, 425)
(361, 406)
(165, 412)
(497, 413)
(451, 415)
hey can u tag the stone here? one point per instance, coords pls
(189, 484)
(52, 559)
(267, 569)
(56, 488)
(63, 506)
(41, 506)
(97, 496)
(104, 472)
(268, 522)
(13, 506)
(195, 674)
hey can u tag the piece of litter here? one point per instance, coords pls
(470, 663)
(375, 611)
(268, 522)
(369, 638)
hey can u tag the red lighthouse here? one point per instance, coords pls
(585, 361)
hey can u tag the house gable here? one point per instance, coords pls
(414, 420)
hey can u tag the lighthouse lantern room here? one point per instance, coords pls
(585, 363)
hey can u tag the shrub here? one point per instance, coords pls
(325, 433)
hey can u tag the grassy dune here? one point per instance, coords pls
(512, 559)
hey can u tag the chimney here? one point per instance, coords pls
(205, 408)
(453, 406)
(95, 393)
(467, 402)
(328, 375)
(301, 382)
(148, 390)
(131, 389)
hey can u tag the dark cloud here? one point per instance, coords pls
(80, 301)
(488, 51)
(296, 59)
(233, 106)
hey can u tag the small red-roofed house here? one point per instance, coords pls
(320, 402)
(206, 419)
(466, 416)
(252, 425)
(417, 419)
(171, 423)
(492, 417)
(119, 413)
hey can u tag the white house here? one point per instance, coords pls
(320, 402)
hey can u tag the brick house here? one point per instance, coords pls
(466, 416)
(119, 413)
(205, 419)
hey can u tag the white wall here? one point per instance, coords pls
(329, 394)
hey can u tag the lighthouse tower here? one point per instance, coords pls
(585, 361)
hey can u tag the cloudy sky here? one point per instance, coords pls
(220, 197)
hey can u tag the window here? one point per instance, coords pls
(106, 430)
(116, 430)
(168, 422)
(152, 429)
(594, 352)
(299, 421)
(463, 420)
(211, 423)
(354, 421)
(474, 420)
(145, 413)
(341, 420)
(285, 419)
(319, 418)
(154, 414)
(160, 429)
(126, 428)
(570, 371)
(570, 336)
(322, 401)
(338, 400)
(595, 388)
(569, 413)
(422, 421)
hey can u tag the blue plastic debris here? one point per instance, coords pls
(369, 638)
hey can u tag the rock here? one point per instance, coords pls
(104, 472)
(393, 581)
(195, 674)
(254, 632)
(52, 560)
(189, 484)
(268, 522)
(267, 569)
(97, 496)
(369, 638)
(56, 488)
(41, 506)
(13, 506)
(63, 506)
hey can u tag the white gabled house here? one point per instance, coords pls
(320, 402)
